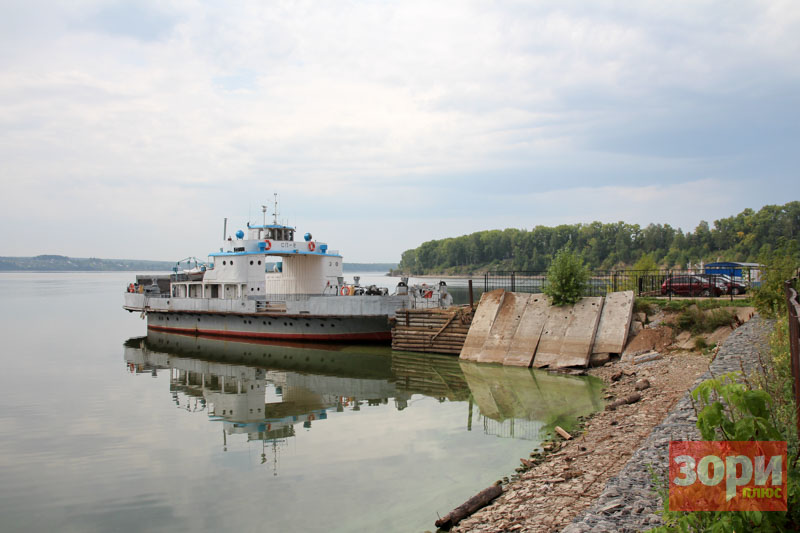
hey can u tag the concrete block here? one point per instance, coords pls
(504, 328)
(615, 321)
(482, 324)
(529, 331)
(569, 334)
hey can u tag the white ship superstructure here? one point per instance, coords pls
(262, 283)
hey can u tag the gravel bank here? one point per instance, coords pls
(628, 501)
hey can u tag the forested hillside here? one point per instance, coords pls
(60, 263)
(743, 237)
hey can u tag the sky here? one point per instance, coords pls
(132, 129)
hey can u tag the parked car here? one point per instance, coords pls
(729, 285)
(691, 285)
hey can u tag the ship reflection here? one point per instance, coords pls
(268, 391)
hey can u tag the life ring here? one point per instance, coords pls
(267, 244)
(345, 291)
(311, 246)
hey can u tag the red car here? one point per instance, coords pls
(691, 285)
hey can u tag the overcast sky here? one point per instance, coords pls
(131, 129)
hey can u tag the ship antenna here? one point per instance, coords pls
(276, 208)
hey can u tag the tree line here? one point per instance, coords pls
(744, 237)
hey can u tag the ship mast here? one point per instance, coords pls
(275, 213)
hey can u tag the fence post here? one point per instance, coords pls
(486, 281)
(471, 303)
(794, 345)
(669, 284)
(513, 288)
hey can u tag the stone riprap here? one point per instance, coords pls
(629, 501)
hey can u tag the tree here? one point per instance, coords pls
(566, 278)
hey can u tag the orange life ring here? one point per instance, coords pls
(345, 291)
(267, 244)
(311, 246)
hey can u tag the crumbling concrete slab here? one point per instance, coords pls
(615, 322)
(482, 324)
(504, 328)
(569, 334)
(529, 331)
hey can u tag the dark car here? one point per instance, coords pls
(727, 284)
(691, 285)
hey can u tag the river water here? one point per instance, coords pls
(104, 428)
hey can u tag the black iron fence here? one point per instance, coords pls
(694, 283)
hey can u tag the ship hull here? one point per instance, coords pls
(375, 329)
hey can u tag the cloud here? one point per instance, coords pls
(358, 113)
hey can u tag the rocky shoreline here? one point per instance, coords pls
(601, 480)
(629, 501)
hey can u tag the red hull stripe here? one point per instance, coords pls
(372, 336)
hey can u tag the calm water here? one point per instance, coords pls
(106, 429)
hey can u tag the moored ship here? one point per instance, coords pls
(264, 284)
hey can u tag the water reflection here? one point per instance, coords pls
(267, 390)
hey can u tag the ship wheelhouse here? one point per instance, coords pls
(266, 263)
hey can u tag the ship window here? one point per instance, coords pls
(259, 261)
(251, 262)
(224, 263)
(231, 262)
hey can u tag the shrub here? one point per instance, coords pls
(697, 321)
(700, 344)
(770, 297)
(566, 278)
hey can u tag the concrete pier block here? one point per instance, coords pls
(569, 334)
(482, 324)
(615, 321)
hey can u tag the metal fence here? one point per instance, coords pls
(707, 283)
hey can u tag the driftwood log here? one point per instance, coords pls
(470, 506)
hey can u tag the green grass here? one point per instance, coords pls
(683, 304)
(698, 321)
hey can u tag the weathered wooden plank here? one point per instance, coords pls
(569, 334)
(482, 323)
(503, 328)
(615, 322)
(529, 331)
